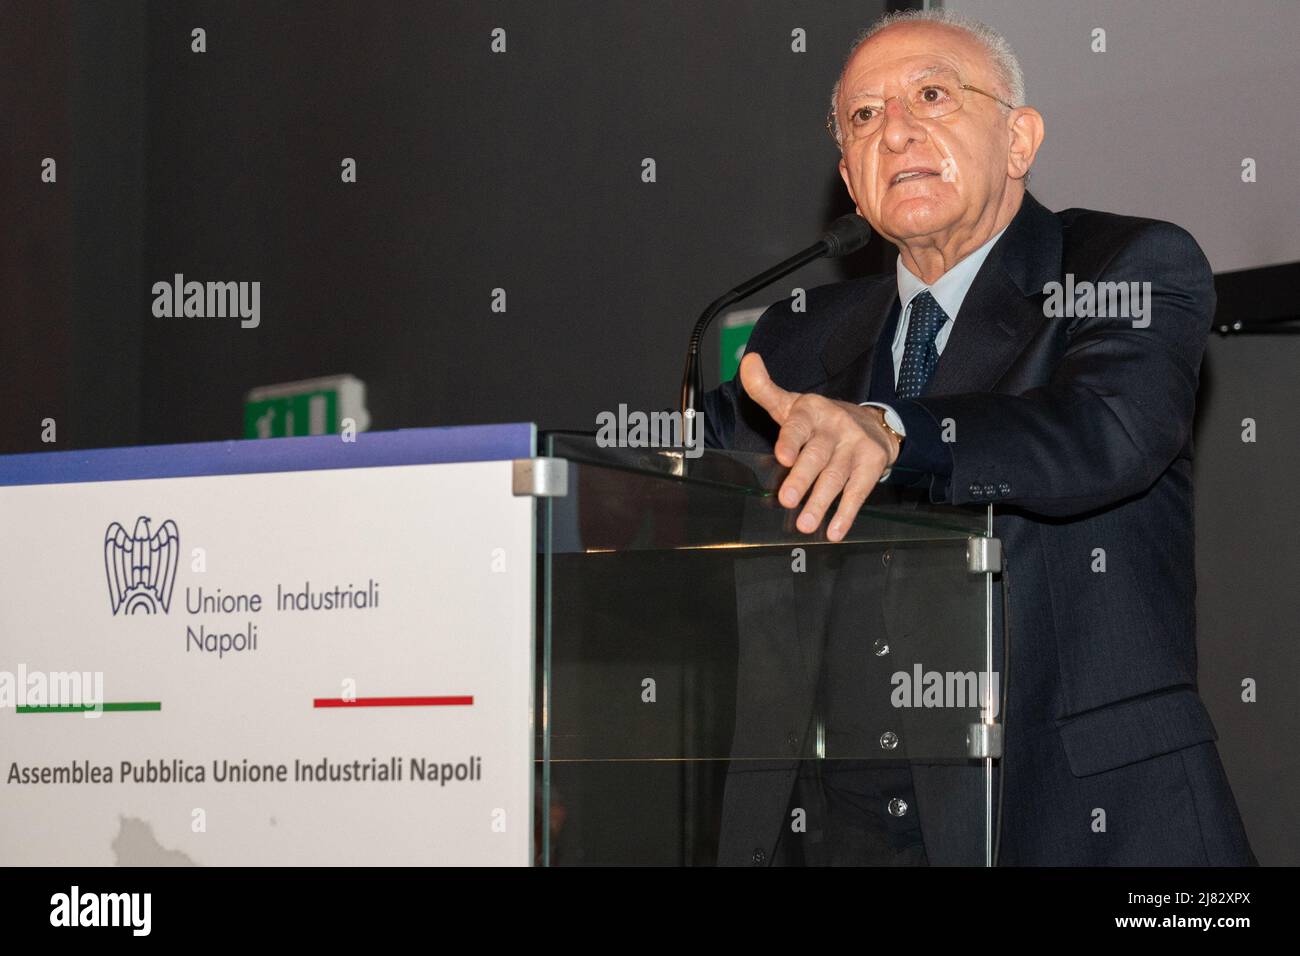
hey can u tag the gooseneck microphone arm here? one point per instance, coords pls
(847, 234)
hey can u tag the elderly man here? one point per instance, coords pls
(960, 375)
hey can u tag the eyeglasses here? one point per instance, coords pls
(926, 98)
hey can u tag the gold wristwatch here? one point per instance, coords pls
(884, 423)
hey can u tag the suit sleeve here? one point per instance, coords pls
(722, 405)
(1119, 406)
(719, 407)
(924, 449)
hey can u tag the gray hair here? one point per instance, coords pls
(1006, 68)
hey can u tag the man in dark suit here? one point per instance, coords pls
(970, 375)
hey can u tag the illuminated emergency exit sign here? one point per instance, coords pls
(317, 406)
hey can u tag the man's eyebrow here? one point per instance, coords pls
(919, 74)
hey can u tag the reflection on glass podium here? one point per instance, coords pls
(716, 687)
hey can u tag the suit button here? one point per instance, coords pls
(886, 556)
(1004, 489)
(976, 491)
(989, 491)
(759, 857)
(897, 807)
(792, 739)
(880, 647)
(888, 740)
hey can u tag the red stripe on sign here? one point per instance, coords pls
(464, 701)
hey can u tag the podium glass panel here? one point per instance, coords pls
(717, 687)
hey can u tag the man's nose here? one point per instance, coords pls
(901, 127)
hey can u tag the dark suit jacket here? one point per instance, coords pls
(1079, 431)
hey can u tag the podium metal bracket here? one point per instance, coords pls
(540, 477)
(984, 741)
(983, 555)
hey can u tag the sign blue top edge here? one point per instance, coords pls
(408, 446)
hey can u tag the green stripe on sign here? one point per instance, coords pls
(82, 708)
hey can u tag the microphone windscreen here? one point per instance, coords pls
(846, 235)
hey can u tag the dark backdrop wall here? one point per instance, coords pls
(476, 171)
(72, 89)
(521, 171)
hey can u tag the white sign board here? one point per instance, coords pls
(320, 667)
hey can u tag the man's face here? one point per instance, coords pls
(963, 155)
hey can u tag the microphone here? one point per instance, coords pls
(847, 234)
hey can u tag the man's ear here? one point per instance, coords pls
(1026, 128)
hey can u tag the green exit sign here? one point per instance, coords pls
(736, 326)
(317, 406)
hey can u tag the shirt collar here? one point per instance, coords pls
(950, 289)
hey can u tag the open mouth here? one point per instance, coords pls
(911, 175)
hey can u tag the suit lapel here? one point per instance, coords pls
(995, 324)
(848, 354)
(1003, 309)
(999, 316)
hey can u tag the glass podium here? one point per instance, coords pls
(716, 687)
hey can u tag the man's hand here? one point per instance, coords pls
(836, 448)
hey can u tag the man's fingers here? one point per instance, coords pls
(814, 457)
(830, 483)
(856, 490)
(800, 426)
(827, 450)
(759, 386)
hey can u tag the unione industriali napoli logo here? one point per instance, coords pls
(141, 566)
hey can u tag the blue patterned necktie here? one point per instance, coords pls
(919, 353)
